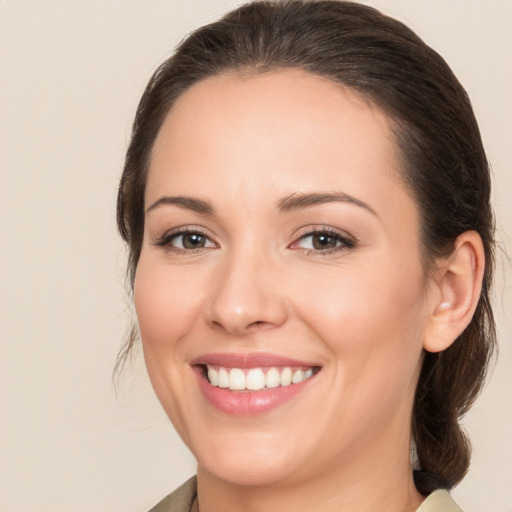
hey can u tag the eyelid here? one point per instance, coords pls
(348, 241)
(165, 239)
(322, 228)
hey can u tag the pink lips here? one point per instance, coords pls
(248, 402)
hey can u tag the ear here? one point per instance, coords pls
(455, 292)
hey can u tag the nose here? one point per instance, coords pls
(247, 296)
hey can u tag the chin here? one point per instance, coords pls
(249, 473)
(246, 462)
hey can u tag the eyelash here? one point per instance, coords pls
(345, 242)
(165, 241)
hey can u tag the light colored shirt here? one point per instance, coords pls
(182, 498)
(439, 501)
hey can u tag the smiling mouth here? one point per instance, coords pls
(252, 384)
(256, 379)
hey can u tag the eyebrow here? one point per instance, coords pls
(289, 203)
(299, 201)
(190, 203)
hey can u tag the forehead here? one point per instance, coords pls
(286, 129)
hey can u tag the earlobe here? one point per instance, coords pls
(459, 283)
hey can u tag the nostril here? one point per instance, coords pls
(258, 325)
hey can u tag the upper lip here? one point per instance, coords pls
(254, 360)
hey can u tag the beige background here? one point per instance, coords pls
(71, 74)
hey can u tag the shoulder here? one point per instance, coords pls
(180, 500)
(439, 501)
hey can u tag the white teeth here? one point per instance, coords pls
(213, 376)
(298, 376)
(272, 379)
(255, 379)
(286, 377)
(236, 379)
(223, 378)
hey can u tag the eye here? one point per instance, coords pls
(185, 240)
(324, 240)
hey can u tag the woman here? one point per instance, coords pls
(306, 203)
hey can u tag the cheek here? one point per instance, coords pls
(165, 305)
(373, 329)
(371, 320)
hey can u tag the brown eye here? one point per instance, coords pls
(193, 240)
(322, 241)
(186, 240)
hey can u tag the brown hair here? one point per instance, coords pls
(443, 163)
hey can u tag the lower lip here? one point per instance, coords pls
(248, 403)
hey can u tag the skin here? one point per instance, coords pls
(362, 311)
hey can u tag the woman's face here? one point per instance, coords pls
(280, 244)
